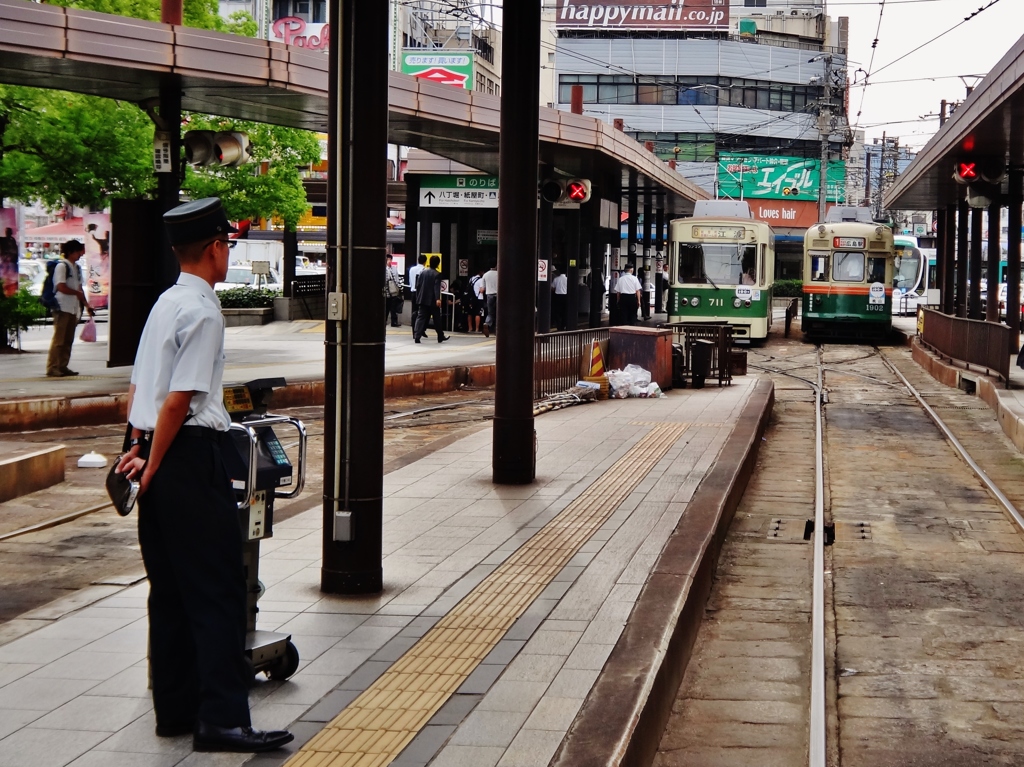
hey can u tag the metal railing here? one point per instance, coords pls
(721, 337)
(558, 358)
(310, 285)
(972, 342)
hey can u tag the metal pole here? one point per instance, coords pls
(631, 221)
(962, 241)
(994, 257)
(941, 255)
(597, 250)
(169, 184)
(974, 267)
(645, 308)
(356, 245)
(949, 275)
(545, 216)
(659, 263)
(513, 453)
(1013, 249)
(825, 127)
(573, 253)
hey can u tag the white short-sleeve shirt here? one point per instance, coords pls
(491, 282)
(69, 274)
(561, 285)
(182, 349)
(627, 284)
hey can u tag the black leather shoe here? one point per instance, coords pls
(245, 740)
(442, 339)
(416, 340)
(175, 730)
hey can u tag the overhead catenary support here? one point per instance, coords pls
(995, 252)
(356, 245)
(513, 452)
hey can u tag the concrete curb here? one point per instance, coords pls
(102, 408)
(623, 718)
(1005, 405)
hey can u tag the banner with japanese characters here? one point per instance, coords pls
(772, 177)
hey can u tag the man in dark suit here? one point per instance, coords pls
(428, 301)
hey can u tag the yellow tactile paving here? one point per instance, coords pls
(378, 724)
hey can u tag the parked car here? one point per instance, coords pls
(240, 275)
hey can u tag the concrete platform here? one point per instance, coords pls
(27, 468)
(295, 350)
(560, 611)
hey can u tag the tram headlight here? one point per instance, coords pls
(746, 304)
(737, 303)
(695, 301)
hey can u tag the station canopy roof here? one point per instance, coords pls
(987, 129)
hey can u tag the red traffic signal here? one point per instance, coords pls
(577, 190)
(966, 172)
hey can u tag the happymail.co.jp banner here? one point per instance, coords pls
(631, 14)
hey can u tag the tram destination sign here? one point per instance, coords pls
(849, 243)
(643, 14)
(719, 232)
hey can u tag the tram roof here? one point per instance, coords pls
(989, 125)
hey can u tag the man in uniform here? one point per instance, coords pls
(628, 287)
(188, 524)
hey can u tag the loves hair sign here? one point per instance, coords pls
(291, 30)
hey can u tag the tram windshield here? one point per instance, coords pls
(848, 267)
(717, 263)
(909, 267)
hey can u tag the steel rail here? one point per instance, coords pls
(1005, 502)
(816, 749)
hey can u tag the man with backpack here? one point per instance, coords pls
(66, 299)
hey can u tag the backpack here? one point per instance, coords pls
(48, 297)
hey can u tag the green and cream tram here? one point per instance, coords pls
(849, 269)
(722, 269)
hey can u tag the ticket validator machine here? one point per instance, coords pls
(261, 473)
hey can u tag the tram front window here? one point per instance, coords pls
(876, 270)
(848, 267)
(719, 264)
(819, 268)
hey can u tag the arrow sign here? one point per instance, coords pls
(430, 196)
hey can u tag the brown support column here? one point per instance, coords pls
(1013, 248)
(545, 215)
(948, 285)
(974, 288)
(645, 307)
(962, 242)
(513, 453)
(940, 254)
(598, 243)
(354, 364)
(573, 256)
(994, 257)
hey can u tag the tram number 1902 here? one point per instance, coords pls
(876, 307)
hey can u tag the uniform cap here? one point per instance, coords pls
(197, 220)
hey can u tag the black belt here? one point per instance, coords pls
(201, 432)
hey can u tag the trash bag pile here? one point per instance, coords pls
(633, 381)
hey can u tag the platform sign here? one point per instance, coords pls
(542, 270)
(463, 267)
(162, 152)
(458, 191)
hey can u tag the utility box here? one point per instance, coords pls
(738, 362)
(650, 348)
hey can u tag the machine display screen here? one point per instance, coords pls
(237, 399)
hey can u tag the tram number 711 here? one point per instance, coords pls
(716, 301)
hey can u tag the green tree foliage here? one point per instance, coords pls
(268, 186)
(66, 148)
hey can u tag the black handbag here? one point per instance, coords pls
(122, 491)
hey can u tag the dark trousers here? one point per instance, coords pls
(395, 304)
(428, 312)
(192, 548)
(627, 308)
(414, 311)
(558, 302)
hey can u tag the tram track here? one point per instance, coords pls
(903, 543)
